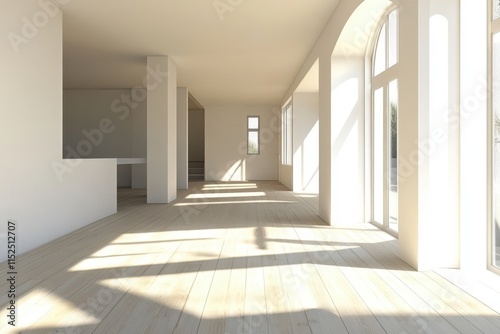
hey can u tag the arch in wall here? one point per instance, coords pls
(344, 51)
(350, 113)
(424, 220)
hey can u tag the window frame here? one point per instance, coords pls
(287, 134)
(493, 29)
(251, 130)
(384, 31)
(382, 80)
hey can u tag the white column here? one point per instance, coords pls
(325, 139)
(473, 144)
(182, 138)
(162, 130)
(413, 66)
(428, 134)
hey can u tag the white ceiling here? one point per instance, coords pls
(249, 57)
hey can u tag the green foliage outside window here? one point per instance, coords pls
(394, 130)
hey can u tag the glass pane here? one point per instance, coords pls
(378, 156)
(496, 9)
(393, 155)
(253, 123)
(379, 62)
(253, 142)
(393, 37)
(496, 168)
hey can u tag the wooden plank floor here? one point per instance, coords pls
(232, 258)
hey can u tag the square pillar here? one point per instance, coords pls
(162, 130)
(182, 138)
(413, 97)
(428, 139)
(325, 139)
(473, 136)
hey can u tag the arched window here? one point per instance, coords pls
(385, 124)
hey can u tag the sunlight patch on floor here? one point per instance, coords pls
(163, 236)
(116, 262)
(236, 187)
(226, 195)
(234, 202)
(306, 195)
(40, 301)
(229, 185)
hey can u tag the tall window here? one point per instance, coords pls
(385, 125)
(286, 134)
(253, 135)
(495, 117)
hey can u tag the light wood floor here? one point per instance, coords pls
(233, 258)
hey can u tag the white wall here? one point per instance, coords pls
(124, 176)
(139, 176)
(226, 157)
(139, 141)
(306, 142)
(45, 195)
(196, 135)
(182, 138)
(286, 176)
(83, 112)
(348, 139)
(125, 110)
